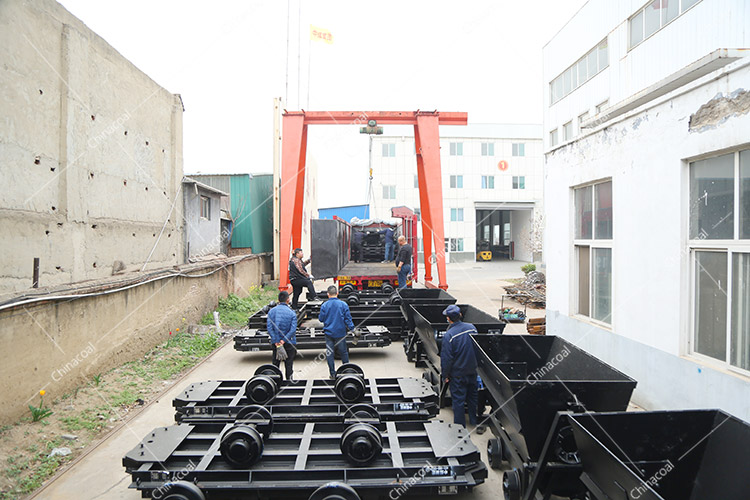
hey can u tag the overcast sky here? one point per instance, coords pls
(228, 59)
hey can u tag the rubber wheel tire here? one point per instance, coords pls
(181, 490)
(335, 491)
(512, 485)
(495, 453)
(361, 444)
(241, 446)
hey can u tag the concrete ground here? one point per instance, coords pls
(100, 474)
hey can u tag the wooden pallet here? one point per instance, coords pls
(537, 326)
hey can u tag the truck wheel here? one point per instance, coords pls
(181, 490)
(334, 491)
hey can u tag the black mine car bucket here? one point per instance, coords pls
(423, 346)
(422, 296)
(531, 378)
(664, 455)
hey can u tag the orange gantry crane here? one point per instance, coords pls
(427, 137)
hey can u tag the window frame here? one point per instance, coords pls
(391, 191)
(456, 149)
(518, 182)
(456, 181)
(488, 149)
(570, 76)
(593, 244)
(727, 246)
(388, 149)
(662, 22)
(553, 138)
(518, 149)
(455, 213)
(487, 182)
(205, 207)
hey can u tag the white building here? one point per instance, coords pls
(647, 145)
(492, 186)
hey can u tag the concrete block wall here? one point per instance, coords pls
(90, 154)
(57, 346)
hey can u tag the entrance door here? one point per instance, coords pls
(493, 233)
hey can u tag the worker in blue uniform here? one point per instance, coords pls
(282, 328)
(337, 320)
(458, 367)
(389, 247)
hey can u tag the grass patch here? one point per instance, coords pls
(234, 311)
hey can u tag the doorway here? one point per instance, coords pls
(494, 233)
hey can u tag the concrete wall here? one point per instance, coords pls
(90, 153)
(203, 236)
(520, 225)
(646, 154)
(58, 346)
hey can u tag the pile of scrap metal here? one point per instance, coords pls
(314, 439)
(531, 291)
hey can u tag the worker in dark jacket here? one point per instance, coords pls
(403, 261)
(357, 237)
(337, 320)
(282, 328)
(299, 277)
(458, 367)
(388, 232)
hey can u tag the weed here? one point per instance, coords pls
(97, 380)
(40, 412)
(234, 311)
(527, 268)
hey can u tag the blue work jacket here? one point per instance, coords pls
(458, 356)
(282, 324)
(336, 318)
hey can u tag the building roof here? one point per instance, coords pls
(188, 180)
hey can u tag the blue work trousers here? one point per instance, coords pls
(464, 392)
(338, 345)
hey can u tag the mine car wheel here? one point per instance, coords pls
(387, 288)
(362, 412)
(334, 491)
(241, 445)
(361, 444)
(350, 368)
(512, 485)
(353, 300)
(395, 298)
(495, 453)
(346, 289)
(181, 490)
(350, 388)
(259, 416)
(269, 371)
(261, 389)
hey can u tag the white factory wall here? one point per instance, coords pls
(646, 153)
(706, 26)
(400, 171)
(90, 154)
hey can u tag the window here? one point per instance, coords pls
(206, 207)
(488, 149)
(568, 131)
(389, 149)
(593, 247)
(553, 138)
(488, 182)
(579, 73)
(447, 245)
(602, 106)
(457, 181)
(582, 118)
(457, 244)
(519, 182)
(457, 214)
(416, 181)
(389, 192)
(457, 148)
(519, 149)
(418, 213)
(654, 16)
(719, 232)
